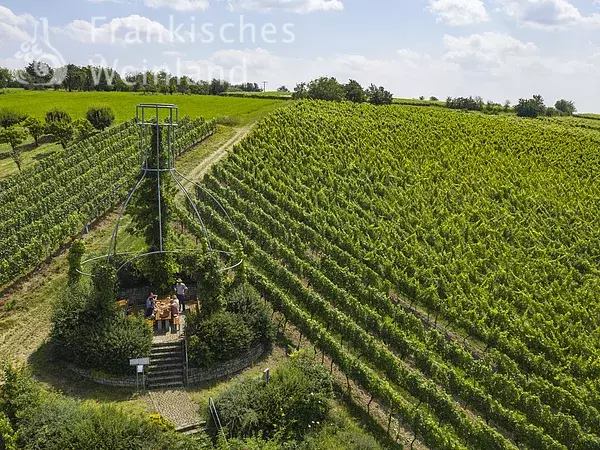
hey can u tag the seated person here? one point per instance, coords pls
(174, 304)
(150, 301)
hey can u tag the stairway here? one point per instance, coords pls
(166, 365)
(192, 429)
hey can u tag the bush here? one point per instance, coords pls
(50, 421)
(61, 131)
(83, 128)
(101, 117)
(256, 313)
(532, 107)
(10, 117)
(57, 115)
(88, 332)
(221, 337)
(8, 440)
(293, 402)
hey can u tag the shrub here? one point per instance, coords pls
(10, 117)
(35, 127)
(293, 402)
(221, 337)
(61, 131)
(256, 313)
(211, 284)
(8, 440)
(83, 128)
(50, 421)
(532, 107)
(101, 117)
(57, 115)
(88, 332)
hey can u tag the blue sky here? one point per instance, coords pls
(499, 49)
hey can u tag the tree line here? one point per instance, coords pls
(38, 75)
(533, 107)
(328, 88)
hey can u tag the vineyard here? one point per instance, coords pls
(52, 201)
(444, 262)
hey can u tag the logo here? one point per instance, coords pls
(45, 66)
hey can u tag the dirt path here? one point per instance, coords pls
(202, 168)
(25, 326)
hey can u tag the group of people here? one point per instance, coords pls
(176, 302)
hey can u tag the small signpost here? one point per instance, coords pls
(139, 363)
(266, 375)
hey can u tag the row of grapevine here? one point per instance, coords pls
(45, 205)
(484, 222)
(391, 329)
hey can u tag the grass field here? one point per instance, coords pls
(36, 103)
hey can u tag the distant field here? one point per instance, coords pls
(417, 102)
(274, 95)
(36, 103)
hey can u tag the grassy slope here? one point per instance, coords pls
(37, 104)
(124, 103)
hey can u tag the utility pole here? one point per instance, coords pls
(265, 86)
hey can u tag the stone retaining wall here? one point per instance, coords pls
(196, 376)
(107, 380)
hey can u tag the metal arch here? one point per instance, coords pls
(204, 231)
(145, 149)
(89, 220)
(237, 236)
(87, 261)
(116, 230)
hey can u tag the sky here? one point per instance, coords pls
(498, 49)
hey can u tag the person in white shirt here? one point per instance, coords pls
(181, 291)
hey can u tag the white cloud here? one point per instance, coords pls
(13, 26)
(179, 5)
(294, 6)
(133, 29)
(459, 12)
(547, 14)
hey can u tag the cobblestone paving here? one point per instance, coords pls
(176, 406)
(167, 336)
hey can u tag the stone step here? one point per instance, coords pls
(173, 384)
(194, 428)
(176, 344)
(153, 379)
(166, 370)
(162, 358)
(159, 354)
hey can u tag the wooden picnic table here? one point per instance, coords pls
(162, 314)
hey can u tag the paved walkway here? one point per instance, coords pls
(176, 406)
(167, 336)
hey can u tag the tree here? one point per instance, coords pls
(355, 92)
(282, 89)
(566, 107)
(379, 96)
(101, 117)
(35, 127)
(38, 73)
(159, 268)
(507, 106)
(83, 128)
(211, 284)
(532, 108)
(62, 132)
(433, 99)
(57, 115)
(5, 77)
(14, 137)
(326, 89)
(11, 117)
(300, 91)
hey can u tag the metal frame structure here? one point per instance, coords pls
(148, 116)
